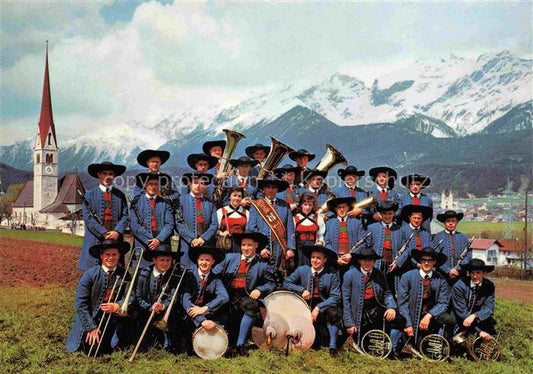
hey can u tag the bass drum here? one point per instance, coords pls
(287, 304)
(210, 344)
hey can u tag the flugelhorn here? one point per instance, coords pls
(365, 203)
(351, 344)
(277, 153)
(410, 350)
(331, 159)
(232, 139)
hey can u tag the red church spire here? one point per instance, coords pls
(46, 122)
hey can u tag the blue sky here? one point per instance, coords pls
(138, 61)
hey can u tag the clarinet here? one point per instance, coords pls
(133, 204)
(359, 242)
(401, 251)
(89, 207)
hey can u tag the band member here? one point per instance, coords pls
(214, 148)
(350, 176)
(319, 286)
(96, 298)
(367, 300)
(153, 159)
(423, 296)
(272, 217)
(258, 152)
(233, 217)
(453, 244)
(386, 239)
(384, 179)
(287, 173)
(342, 232)
(413, 216)
(316, 186)
(473, 300)
(204, 293)
(243, 165)
(105, 211)
(198, 223)
(416, 183)
(302, 158)
(248, 280)
(152, 221)
(152, 279)
(201, 163)
(309, 227)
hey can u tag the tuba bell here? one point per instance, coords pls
(232, 139)
(277, 153)
(331, 159)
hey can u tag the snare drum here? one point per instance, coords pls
(210, 344)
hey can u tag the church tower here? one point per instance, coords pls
(45, 168)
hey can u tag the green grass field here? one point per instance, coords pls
(34, 323)
(495, 229)
(43, 236)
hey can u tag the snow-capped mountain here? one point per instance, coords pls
(444, 97)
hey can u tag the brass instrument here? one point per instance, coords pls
(376, 343)
(331, 159)
(434, 347)
(351, 344)
(232, 139)
(365, 203)
(486, 349)
(277, 153)
(324, 207)
(116, 290)
(410, 350)
(465, 339)
(164, 291)
(162, 324)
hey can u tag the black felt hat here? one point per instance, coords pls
(281, 185)
(477, 264)
(301, 152)
(254, 235)
(350, 170)
(243, 160)
(449, 214)
(94, 169)
(331, 256)
(367, 252)
(387, 205)
(217, 253)
(332, 204)
(147, 154)
(391, 173)
(123, 247)
(287, 168)
(213, 143)
(426, 211)
(193, 158)
(162, 249)
(251, 149)
(430, 252)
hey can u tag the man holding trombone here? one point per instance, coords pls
(98, 302)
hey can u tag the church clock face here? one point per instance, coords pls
(48, 169)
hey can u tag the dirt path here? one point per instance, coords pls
(516, 290)
(32, 263)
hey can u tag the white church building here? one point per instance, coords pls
(47, 201)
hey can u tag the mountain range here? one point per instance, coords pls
(417, 113)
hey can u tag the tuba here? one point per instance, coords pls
(331, 159)
(277, 153)
(232, 139)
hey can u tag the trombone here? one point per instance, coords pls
(95, 348)
(164, 291)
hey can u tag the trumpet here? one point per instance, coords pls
(94, 349)
(164, 291)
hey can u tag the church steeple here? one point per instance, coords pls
(47, 129)
(45, 162)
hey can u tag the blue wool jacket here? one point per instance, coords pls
(410, 292)
(460, 242)
(257, 224)
(215, 294)
(328, 285)
(146, 289)
(259, 274)
(377, 238)
(483, 306)
(353, 295)
(405, 261)
(143, 232)
(166, 187)
(94, 232)
(188, 231)
(344, 191)
(89, 296)
(331, 237)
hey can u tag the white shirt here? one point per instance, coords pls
(106, 269)
(156, 273)
(317, 272)
(387, 225)
(104, 188)
(423, 274)
(342, 219)
(380, 189)
(450, 232)
(414, 228)
(149, 197)
(247, 259)
(202, 275)
(417, 195)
